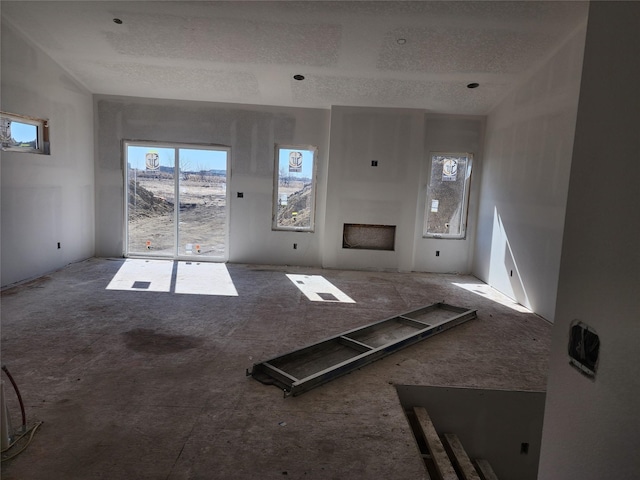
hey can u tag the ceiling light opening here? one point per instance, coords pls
(473, 85)
(298, 77)
(401, 41)
(118, 21)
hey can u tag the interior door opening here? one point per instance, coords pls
(176, 201)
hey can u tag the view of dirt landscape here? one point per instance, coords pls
(297, 210)
(202, 214)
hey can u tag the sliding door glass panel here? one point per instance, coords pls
(151, 200)
(202, 193)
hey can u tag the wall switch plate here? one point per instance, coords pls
(374, 163)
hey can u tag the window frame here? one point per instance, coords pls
(464, 217)
(42, 133)
(276, 182)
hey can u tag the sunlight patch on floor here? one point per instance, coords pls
(199, 278)
(486, 291)
(143, 276)
(191, 278)
(318, 289)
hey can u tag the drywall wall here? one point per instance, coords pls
(491, 424)
(360, 193)
(394, 191)
(250, 131)
(46, 199)
(524, 181)
(591, 427)
(348, 188)
(449, 133)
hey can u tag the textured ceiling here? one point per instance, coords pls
(248, 52)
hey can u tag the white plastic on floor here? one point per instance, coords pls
(143, 275)
(486, 291)
(318, 289)
(200, 278)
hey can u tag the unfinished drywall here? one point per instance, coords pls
(385, 194)
(449, 133)
(392, 191)
(525, 177)
(46, 199)
(591, 427)
(250, 131)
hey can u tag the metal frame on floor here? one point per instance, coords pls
(301, 370)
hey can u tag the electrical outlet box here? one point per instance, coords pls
(584, 348)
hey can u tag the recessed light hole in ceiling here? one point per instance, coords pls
(401, 41)
(118, 21)
(298, 77)
(473, 85)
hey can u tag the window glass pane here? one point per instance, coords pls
(294, 195)
(203, 202)
(151, 199)
(447, 197)
(18, 134)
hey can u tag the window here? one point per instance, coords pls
(19, 133)
(448, 195)
(294, 188)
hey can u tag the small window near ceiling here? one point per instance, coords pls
(19, 133)
(294, 188)
(448, 195)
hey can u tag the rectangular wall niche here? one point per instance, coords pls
(369, 237)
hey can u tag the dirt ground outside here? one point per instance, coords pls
(202, 215)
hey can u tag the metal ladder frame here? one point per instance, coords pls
(268, 373)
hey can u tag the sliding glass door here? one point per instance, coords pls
(176, 201)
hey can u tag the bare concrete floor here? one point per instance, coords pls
(144, 385)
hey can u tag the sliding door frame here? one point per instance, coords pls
(176, 210)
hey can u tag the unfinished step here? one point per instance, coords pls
(459, 457)
(438, 454)
(486, 472)
(301, 370)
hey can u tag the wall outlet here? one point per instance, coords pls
(374, 163)
(295, 246)
(240, 195)
(437, 253)
(59, 245)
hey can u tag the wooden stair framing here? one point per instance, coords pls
(446, 458)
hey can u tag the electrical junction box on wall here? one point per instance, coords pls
(584, 348)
